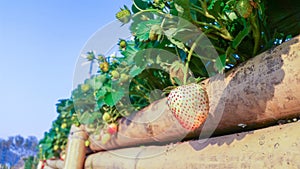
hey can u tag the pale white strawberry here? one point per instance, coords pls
(189, 104)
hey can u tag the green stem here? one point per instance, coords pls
(223, 32)
(255, 32)
(146, 10)
(205, 13)
(207, 24)
(137, 7)
(189, 58)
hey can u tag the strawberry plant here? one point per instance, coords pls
(175, 43)
(54, 142)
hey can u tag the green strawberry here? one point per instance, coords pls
(85, 87)
(106, 117)
(124, 78)
(64, 125)
(87, 143)
(104, 66)
(123, 15)
(189, 105)
(56, 147)
(115, 74)
(122, 44)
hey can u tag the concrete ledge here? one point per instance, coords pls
(272, 147)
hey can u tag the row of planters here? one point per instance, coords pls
(168, 56)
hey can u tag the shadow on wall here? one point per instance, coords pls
(244, 99)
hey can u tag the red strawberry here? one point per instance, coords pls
(189, 105)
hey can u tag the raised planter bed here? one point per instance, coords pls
(273, 147)
(256, 94)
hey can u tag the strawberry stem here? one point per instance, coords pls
(189, 58)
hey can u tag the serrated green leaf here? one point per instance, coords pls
(143, 29)
(96, 115)
(212, 4)
(170, 33)
(100, 93)
(98, 81)
(135, 70)
(140, 59)
(86, 118)
(113, 97)
(130, 52)
(47, 146)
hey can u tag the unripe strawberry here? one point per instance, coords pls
(115, 74)
(73, 118)
(106, 117)
(76, 123)
(122, 44)
(56, 147)
(152, 36)
(87, 143)
(104, 66)
(123, 15)
(64, 125)
(91, 126)
(124, 78)
(154, 32)
(85, 87)
(62, 147)
(189, 104)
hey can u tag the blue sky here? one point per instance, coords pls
(40, 42)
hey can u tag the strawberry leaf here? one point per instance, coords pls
(86, 118)
(113, 97)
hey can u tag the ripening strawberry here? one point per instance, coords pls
(189, 105)
(112, 128)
